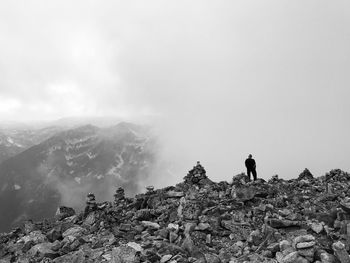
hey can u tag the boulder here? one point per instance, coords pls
(124, 254)
(63, 212)
(76, 231)
(43, 250)
(35, 236)
(54, 234)
(340, 252)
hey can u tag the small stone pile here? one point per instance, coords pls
(119, 196)
(91, 204)
(197, 175)
(306, 175)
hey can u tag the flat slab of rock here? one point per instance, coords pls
(304, 238)
(75, 231)
(175, 194)
(305, 244)
(282, 223)
(150, 224)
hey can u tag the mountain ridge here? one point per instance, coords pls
(73, 160)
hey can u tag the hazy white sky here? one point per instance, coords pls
(225, 78)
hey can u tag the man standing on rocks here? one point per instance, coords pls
(251, 167)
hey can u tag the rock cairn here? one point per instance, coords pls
(91, 204)
(119, 196)
(196, 176)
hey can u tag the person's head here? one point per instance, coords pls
(250, 156)
(198, 163)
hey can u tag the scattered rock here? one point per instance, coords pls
(198, 221)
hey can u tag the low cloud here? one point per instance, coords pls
(220, 79)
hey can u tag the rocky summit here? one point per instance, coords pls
(287, 221)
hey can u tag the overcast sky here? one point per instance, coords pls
(223, 78)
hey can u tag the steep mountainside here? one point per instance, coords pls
(16, 140)
(63, 168)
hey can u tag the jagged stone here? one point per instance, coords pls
(290, 258)
(284, 244)
(124, 254)
(75, 231)
(173, 237)
(307, 252)
(63, 212)
(340, 252)
(165, 258)
(29, 226)
(35, 236)
(317, 227)
(54, 234)
(43, 250)
(274, 247)
(90, 219)
(301, 259)
(202, 226)
(56, 245)
(327, 258)
(76, 257)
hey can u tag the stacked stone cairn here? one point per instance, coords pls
(306, 175)
(196, 174)
(119, 196)
(150, 189)
(91, 204)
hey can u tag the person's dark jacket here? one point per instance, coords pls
(250, 164)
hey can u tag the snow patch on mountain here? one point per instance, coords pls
(77, 179)
(91, 155)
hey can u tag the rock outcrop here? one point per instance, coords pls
(286, 221)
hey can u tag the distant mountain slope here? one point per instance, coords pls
(15, 140)
(64, 168)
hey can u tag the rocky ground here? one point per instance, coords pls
(301, 220)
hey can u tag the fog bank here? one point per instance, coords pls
(219, 80)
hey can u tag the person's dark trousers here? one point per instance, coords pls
(253, 171)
